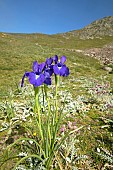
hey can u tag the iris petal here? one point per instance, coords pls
(55, 59)
(41, 67)
(46, 74)
(64, 71)
(35, 66)
(56, 69)
(40, 80)
(47, 81)
(49, 61)
(32, 77)
(25, 75)
(62, 59)
(49, 70)
(67, 72)
(34, 80)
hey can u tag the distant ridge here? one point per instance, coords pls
(97, 29)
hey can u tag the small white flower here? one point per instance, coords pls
(98, 149)
(30, 141)
(22, 154)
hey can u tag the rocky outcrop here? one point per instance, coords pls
(97, 29)
(105, 54)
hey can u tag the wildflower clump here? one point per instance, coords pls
(41, 73)
(42, 136)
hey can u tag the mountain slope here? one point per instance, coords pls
(18, 51)
(98, 28)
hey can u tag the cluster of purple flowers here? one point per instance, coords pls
(42, 72)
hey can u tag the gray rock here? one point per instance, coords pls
(109, 69)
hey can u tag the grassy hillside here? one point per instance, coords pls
(18, 51)
(89, 102)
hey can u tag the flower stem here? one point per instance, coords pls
(37, 109)
(48, 134)
(56, 94)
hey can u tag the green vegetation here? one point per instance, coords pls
(89, 102)
(17, 51)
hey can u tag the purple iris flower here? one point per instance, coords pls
(49, 66)
(60, 68)
(38, 76)
(36, 79)
(49, 61)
